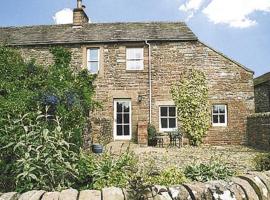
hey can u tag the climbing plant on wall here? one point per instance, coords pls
(190, 95)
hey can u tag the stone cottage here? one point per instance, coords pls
(136, 65)
(262, 93)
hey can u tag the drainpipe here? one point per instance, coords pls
(149, 80)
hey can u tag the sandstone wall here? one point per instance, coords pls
(258, 131)
(228, 83)
(254, 185)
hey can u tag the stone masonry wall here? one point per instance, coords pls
(258, 131)
(262, 97)
(254, 185)
(228, 83)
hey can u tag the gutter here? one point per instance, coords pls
(35, 43)
(149, 80)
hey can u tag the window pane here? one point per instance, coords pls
(164, 123)
(119, 107)
(164, 111)
(119, 130)
(94, 54)
(126, 106)
(134, 53)
(222, 109)
(138, 54)
(93, 68)
(172, 112)
(215, 109)
(126, 129)
(172, 123)
(215, 119)
(126, 118)
(119, 118)
(222, 119)
(135, 64)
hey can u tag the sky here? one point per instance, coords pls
(239, 29)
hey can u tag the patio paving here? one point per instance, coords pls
(238, 157)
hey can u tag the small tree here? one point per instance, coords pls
(190, 95)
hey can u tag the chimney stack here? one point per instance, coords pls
(79, 16)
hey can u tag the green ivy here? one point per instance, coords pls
(190, 95)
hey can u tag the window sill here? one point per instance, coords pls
(220, 125)
(167, 130)
(134, 71)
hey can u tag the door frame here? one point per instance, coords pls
(115, 136)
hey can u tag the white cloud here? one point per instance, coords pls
(191, 7)
(64, 16)
(235, 13)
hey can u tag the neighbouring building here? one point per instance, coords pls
(136, 65)
(262, 93)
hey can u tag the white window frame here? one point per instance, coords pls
(167, 129)
(89, 59)
(134, 59)
(123, 137)
(218, 114)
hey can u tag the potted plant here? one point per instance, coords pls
(97, 148)
(151, 130)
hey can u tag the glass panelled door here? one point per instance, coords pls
(122, 119)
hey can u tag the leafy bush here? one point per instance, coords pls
(97, 172)
(37, 156)
(214, 170)
(27, 87)
(262, 162)
(190, 95)
(151, 130)
(143, 180)
(167, 177)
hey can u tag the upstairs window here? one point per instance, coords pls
(134, 58)
(219, 115)
(93, 60)
(167, 118)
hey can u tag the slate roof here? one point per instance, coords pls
(96, 32)
(262, 79)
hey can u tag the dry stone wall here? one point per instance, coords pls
(258, 131)
(251, 186)
(262, 97)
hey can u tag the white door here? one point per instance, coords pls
(122, 119)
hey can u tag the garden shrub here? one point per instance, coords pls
(59, 92)
(97, 172)
(214, 170)
(145, 178)
(190, 95)
(37, 156)
(167, 177)
(262, 162)
(27, 87)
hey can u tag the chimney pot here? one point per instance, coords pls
(79, 3)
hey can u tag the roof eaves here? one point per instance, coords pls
(25, 43)
(235, 62)
(262, 79)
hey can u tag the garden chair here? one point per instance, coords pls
(176, 138)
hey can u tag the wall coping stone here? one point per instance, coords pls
(253, 185)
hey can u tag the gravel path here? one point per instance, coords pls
(238, 158)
